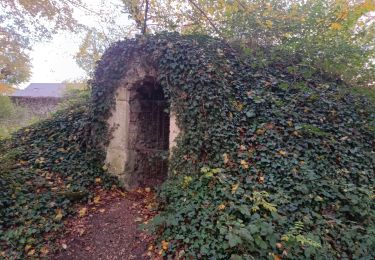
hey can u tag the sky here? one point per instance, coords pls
(52, 61)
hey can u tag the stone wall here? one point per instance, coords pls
(137, 151)
(39, 107)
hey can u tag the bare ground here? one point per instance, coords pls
(108, 228)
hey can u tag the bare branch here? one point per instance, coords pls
(207, 18)
(144, 29)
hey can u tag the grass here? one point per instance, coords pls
(368, 92)
(13, 117)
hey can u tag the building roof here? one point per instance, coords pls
(42, 90)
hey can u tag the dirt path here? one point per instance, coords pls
(108, 228)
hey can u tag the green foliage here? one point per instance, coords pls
(331, 36)
(272, 161)
(367, 92)
(90, 50)
(6, 107)
(40, 167)
(263, 148)
(12, 117)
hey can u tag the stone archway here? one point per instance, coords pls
(142, 129)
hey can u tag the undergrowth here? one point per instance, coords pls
(271, 164)
(44, 170)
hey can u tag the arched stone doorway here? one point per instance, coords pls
(143, 131)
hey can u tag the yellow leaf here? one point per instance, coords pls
(226, 158)
(105, 167)
(44, 250)
(235, 187)
(96, 199)
(164, 245)
(269, 24)
(31, 252)
(244, 164)
(336, 26)
(82, 212)
(221, 207)
(282, 152)
(260, 131)
(59, 215)
(98, 180)
(27, 248)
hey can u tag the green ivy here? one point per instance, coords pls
(44, 170)
(292, 148)
(270, 164)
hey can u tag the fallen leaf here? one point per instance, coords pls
(98, 180)
(59, 215)
(147, 189)
(221, 207)
(164, 245)
(44, 250)
(96, 199)
(244, 164)
(235, 187)
(226, 158)
(101, 210)
(64, 246)
(31, 252)
(82, 212)
(27, 248)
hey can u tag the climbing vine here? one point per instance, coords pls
(271, 163)
(288, 148)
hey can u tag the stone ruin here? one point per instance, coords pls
(143, 128)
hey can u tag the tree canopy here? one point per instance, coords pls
(331, 36)
(23, 22)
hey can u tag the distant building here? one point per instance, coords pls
(40, 98)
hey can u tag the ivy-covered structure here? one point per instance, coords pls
(267, 160)
(271, 160)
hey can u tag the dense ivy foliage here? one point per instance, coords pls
(270, 164)
(44, 169)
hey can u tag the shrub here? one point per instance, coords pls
(44, 170)
(6, 107)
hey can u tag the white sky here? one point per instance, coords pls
(53, 61)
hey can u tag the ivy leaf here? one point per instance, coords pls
(250, 114)
(233, 239)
